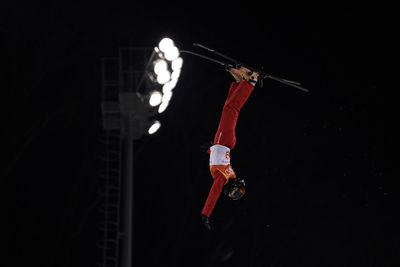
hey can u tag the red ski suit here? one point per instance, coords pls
(225, 136)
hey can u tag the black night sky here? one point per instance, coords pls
(317, 192)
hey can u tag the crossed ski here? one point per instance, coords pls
(237, 64)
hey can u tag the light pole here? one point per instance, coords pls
(131, 110)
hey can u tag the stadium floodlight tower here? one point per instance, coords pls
(137, 92)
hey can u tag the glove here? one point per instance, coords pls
(206, 221)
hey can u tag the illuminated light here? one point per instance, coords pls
(166, 72)
(155, 98)
(169, 86)
(166, 97)
(171, 53)
(173, 82)
(164, 77)
(175, 74)
(154, 127)
(160, 66)
(163, 107)
(166, 44)
(177, 64)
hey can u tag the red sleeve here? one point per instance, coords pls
(215, 191)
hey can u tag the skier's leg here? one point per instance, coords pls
(232, 88)
(226, 129)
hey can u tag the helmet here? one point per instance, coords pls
(235, 188)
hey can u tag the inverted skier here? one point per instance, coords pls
(224, 141)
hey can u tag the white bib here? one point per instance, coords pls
(220, 155)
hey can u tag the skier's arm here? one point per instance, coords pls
(213, 195)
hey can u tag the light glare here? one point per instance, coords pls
(154, 128)
(169, 86)
(167, 69)
(166, 97)
(163, 107)
(171, 53)
(175, 74)
(177, 64)
(165, 44)
(160, 66)
(155, 98)
(164, 77)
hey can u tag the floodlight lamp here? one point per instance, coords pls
(163, 107)
(169, 86)
(171, 53)
(160, 65)
(166, 97)
(165, 44)
(175, 75)
(154, 127)
(177, 64)
(164, 77)
(155, 98)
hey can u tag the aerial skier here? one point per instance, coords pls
(221, 170)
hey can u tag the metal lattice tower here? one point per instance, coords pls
(124, 120)
(110, 173)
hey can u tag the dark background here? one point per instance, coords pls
(317, 192)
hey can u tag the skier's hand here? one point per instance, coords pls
(206, 221)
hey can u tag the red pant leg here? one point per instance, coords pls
(237, 96)
(232, 89)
